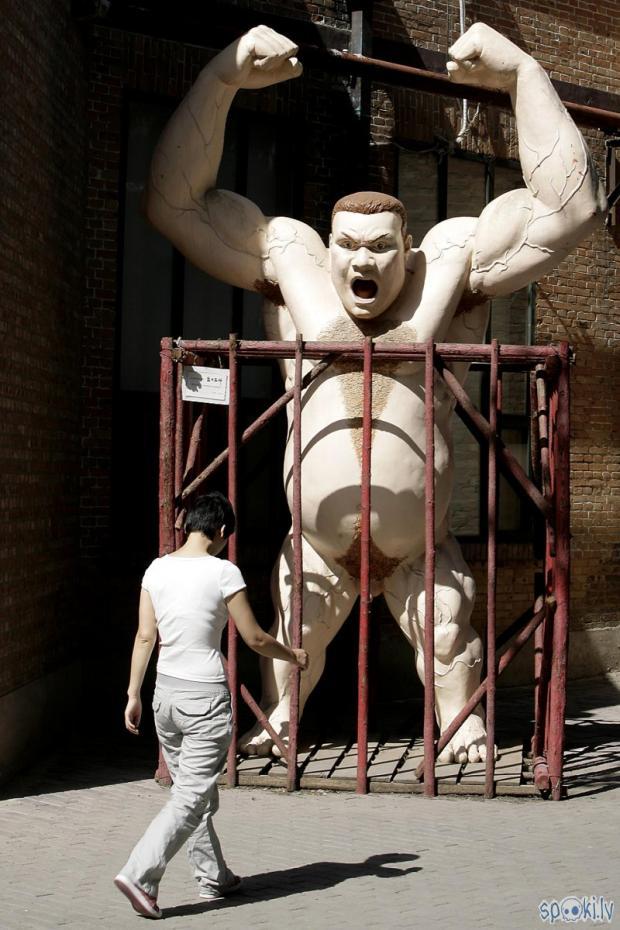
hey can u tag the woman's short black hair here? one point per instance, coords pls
(209, 513)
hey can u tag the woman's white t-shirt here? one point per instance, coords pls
(188, 596)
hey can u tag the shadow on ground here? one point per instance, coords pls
(316, 876)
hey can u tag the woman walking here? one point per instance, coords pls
(186, 597)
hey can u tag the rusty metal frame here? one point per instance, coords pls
(546, 620)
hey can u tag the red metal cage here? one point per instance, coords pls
(546, 620)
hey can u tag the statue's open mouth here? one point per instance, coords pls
(364, 289)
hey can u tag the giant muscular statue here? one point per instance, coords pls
(370, 280)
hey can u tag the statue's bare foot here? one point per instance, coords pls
(468, 743)
(258, 742)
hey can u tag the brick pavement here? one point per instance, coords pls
(320, 858)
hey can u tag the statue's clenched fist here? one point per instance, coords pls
(258, 59)
(483, 56)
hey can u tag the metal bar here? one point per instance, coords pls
(479, 426)
(365, 596)
(543, 427)
(466, 352)
(557, 695)
(298, 569)
(178, 448)
(194, 445)
(231, 764)
(494, 400)
(429, 573)
(257, 425)
(534, 434)
(538, 654)
(543, 645)
(361, 42)
(166, 450)
(513, 628)
(478, 694)
(438, 83)
(166, 484)
(260, 716)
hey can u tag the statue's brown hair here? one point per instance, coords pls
(371, 202)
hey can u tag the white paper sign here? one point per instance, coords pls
(205, 385)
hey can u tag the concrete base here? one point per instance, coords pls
(593, 651)
(32, 716)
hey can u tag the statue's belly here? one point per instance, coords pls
(331, 470)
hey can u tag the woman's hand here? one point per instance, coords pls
(133, 715)
(301, 658)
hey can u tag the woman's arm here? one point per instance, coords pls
(142, 649)
(256, 638)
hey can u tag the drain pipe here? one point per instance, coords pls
(464, 114)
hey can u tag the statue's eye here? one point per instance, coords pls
(347, 244)
(380, 246)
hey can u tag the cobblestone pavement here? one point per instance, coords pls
(322, 858)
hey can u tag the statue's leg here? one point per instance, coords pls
(328, 596)
(458, 648)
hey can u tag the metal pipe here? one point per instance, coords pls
(506, 659)
(437, 82)
(543, 645)
(557, 697)
(474, 419)
(166, 450)
(449, 351)
(429, 573)
(464, 116)
(536, 744)
(543, 427)
(166, 485)
(178, 448)
(261, 717)
(194, 445)
(292, 779)
(494, 401)
(231, 764)
(257, 425)
(365, 595)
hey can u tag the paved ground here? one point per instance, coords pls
(320, 859)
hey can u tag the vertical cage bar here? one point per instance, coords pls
(233, 372)
(543, 426)
(557, 696)
(429, 574)
(166, 449)
(298, 569)
(166, 483)
(178, 448)
(538, 690)
(494, 401)
(543, 634)
(362, 664)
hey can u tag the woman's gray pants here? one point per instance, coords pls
(194, 730)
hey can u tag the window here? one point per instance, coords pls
(435, 185)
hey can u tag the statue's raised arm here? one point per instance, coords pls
(221, 232)
(525, 233)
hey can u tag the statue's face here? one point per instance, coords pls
(367, 256)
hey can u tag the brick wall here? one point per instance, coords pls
(42, 142)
